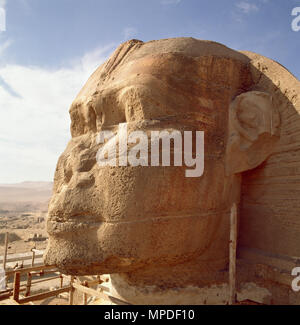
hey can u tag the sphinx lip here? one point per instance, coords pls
(56, 227)
(83, 223)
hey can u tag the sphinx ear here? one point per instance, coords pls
(254, 128)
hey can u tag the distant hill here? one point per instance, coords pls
(25, 196)
(30, 185)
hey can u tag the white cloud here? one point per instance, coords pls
(5, 46)
(246, 7)
(34, 118)
(129, 32)
(2, 3)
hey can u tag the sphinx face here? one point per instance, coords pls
(105, 219)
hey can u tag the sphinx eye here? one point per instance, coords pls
(108, 111)
(91, 118)
(77, 123)
(68, 172)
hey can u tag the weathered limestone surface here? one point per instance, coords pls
(152, 227)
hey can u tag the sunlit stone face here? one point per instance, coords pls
(119, 219)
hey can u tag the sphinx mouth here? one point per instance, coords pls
(57, 226)
(70, 226)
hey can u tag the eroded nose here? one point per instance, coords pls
(86, 161)
(84, 179)
(74, 198)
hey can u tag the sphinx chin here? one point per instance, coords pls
(70, 258)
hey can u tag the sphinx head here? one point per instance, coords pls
(107, 219)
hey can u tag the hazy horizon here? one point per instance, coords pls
(24, 182)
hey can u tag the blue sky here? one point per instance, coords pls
(50, 47)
